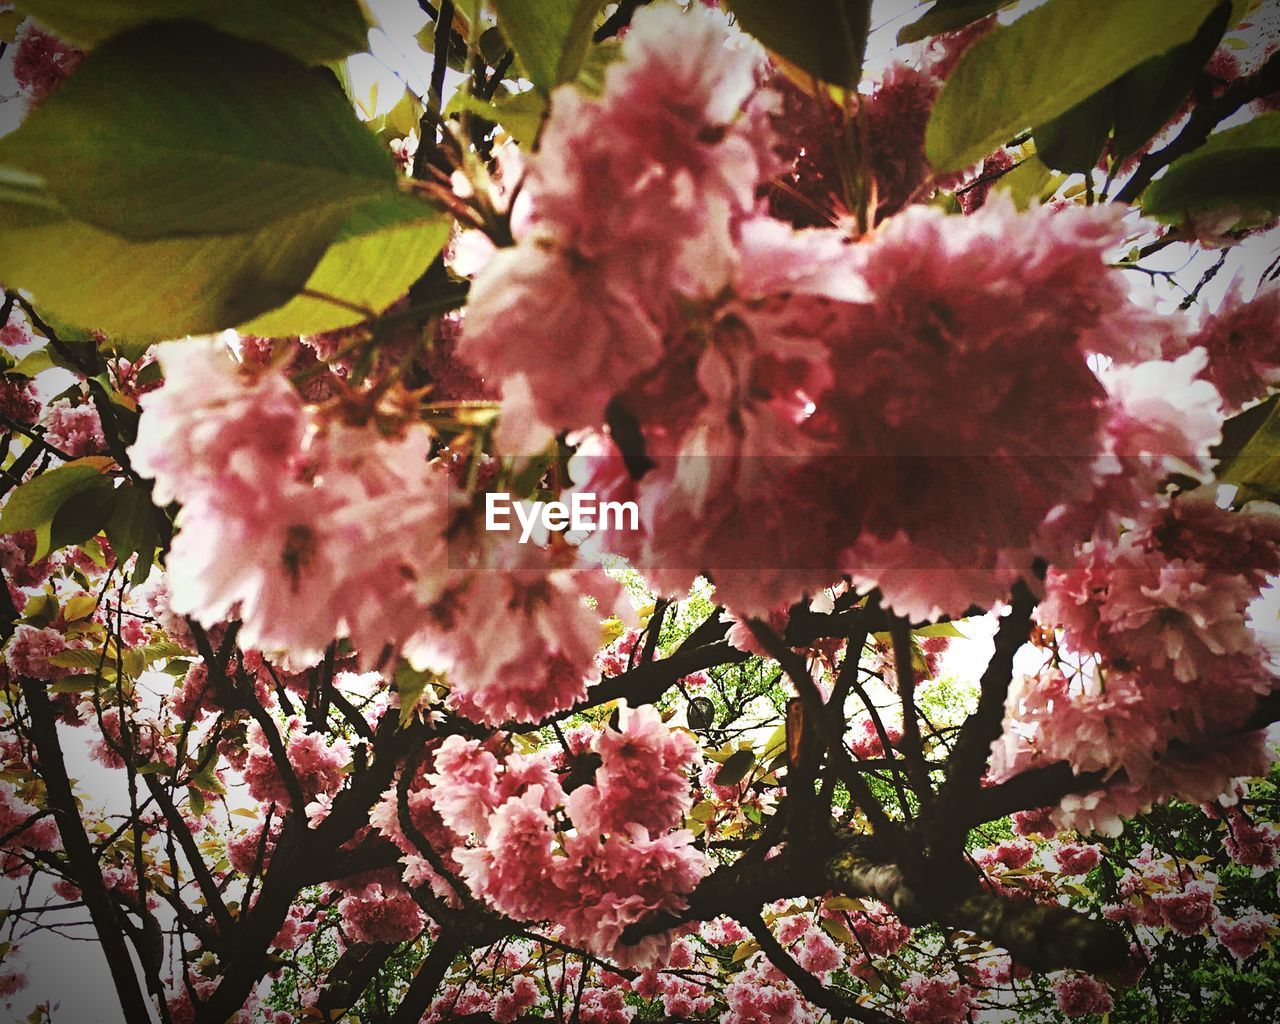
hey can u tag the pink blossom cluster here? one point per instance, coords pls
(1176, 670)
(319, 768)
(42, 62)
(1079, 995)
(276, 501)
(30, 648)
(619, 860)
(1242, 339)
(308, 528)
(379, 908)
(74, 429)
(759, 994)
(1244, 934)
(803, 395)
(22, 826)
(937, 999)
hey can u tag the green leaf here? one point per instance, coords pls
(549, 36)
(1238, 169)
(1054, 57)
(131, 528)
(177, 129)
(79, 607)
(9, 23)
(947, 16)
(520, 114)
(410, 684)
(152, 291)
(826, 38)
(82, 516)
(1074, 141)
(81, 657)
(74, 684)
(1028, 182)
(1249, 455)
(33, 363)
(735, 768)
(383, 248)
(312, 30)
(39, 499)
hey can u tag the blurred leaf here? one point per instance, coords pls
(314, 31)
(826, 38)
(947, 16)
(382, 249)
(735, 768)
(9, 23)
(549, 36)
(39, 499)
(947, 629)
(168, 288)
(1237, 170)
(1052, 58)
(180, 129)
(82, 658)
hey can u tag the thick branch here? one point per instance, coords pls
(1204, 119)
(80, 858)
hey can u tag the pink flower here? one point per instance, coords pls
(1079, 995)
(275, 501)
(1245, 933)
(1034, 822)
(30, 649)
(1243, 342)
(1076, 858)
(877, 928)
(514, 869)
(379, 912)
(42, 62)
(985, 445)
(643, 778)
(936, 1000)
(522, 996)
(1251, 845)
(1189, 910)
(818, 954)
(1012, 853)
(519, 643)
(18, 400)
(632, 194)
(319, 769)
(74, 429)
